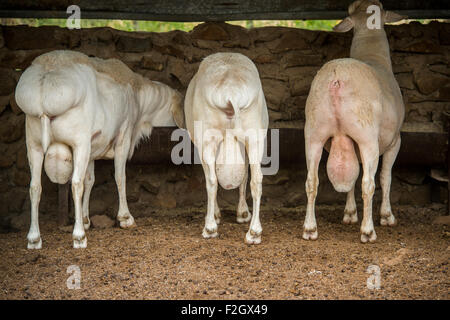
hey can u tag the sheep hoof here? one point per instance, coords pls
(210, 232)
(369, 236)
(35, 243)
(80, 243)
(350, 217)
(127, 223)
(310, 234)
(253, 237)
(243, 217)
(388, 221)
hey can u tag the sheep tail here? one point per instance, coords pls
(45, 129)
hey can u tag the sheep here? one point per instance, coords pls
(225, 113)
(355, 110)
(80, 109)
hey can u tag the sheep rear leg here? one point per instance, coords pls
(350, 214)
(387, 218)
(121, 152)
(253, 235)
(369, 159)
(35, 158)
(243, 213)
(209, 168)
(313, 155)
(81, 154)
(88, 184)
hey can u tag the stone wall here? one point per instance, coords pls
(287, 60)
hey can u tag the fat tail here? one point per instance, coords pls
(230, 97)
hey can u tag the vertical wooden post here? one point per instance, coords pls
(448, 171)
(447, 118)
(63, 204)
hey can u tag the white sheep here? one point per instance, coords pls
(226, 110)
(80, 109)
(355, 109)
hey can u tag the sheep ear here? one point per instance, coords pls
(178, 113)
(391, 16)
(344, 26)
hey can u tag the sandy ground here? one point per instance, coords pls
(165, 257)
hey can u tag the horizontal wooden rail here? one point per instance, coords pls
(213, 10)
(421, 145)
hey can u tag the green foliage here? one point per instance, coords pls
(326, 25)
(159, 26)
(125, 25)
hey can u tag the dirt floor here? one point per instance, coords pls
(165, 257)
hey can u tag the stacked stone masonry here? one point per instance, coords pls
(287, 60)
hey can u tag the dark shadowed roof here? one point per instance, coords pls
(212, 10)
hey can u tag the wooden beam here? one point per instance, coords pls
(63, 204)
(420, 147)
(212, 10)
(447, 118)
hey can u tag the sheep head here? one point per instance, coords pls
(359, 15)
